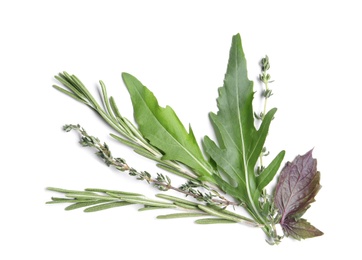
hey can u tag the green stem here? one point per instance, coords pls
(263, 114)
(266, 98)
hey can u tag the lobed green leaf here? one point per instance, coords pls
(164, 130)
(240, 144)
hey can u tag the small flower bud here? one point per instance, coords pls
(265, 63)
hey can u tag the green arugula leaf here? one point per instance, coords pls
(164, 130)
(267, 175)
(240, 144)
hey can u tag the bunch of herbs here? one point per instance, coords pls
(223, 175)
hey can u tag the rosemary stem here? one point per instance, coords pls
(266, 97)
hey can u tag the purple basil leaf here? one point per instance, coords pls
(297, 186)
(300, 229)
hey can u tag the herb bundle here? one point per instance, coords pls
(226, 174)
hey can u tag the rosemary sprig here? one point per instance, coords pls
(130, 135)
(101, 199)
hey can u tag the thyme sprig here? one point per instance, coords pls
(161, 182)
(264, 78)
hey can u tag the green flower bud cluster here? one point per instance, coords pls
(265, 66)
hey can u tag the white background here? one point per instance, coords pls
(179, 49)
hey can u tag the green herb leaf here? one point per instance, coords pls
(207, 221)
(180, 215)
(240, 144)
(164, 130)
(78, 205)
(143, 201)
(107, 206)
(267, 175)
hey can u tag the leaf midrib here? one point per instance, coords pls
(294, 191)
(245, 161)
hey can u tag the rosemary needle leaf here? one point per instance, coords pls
(230, 213)
(106, 100)
(71, 201)
(145, 153)
(214, 221)
(90, 197)
(224, 215)
(107, 206)
(114, 108)
(70, 94)
(70, 191)
(145, 201)
(146, 208)
(84, 204)
(126, 142)
(180, 215)
(176, 199)
(135, 131)
(114, 192)
(68, 84)
(59, 200)
(124, 195)
(60, 190)
(186, 206)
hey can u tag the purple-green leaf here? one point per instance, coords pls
(300, 229)
(297, 186)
